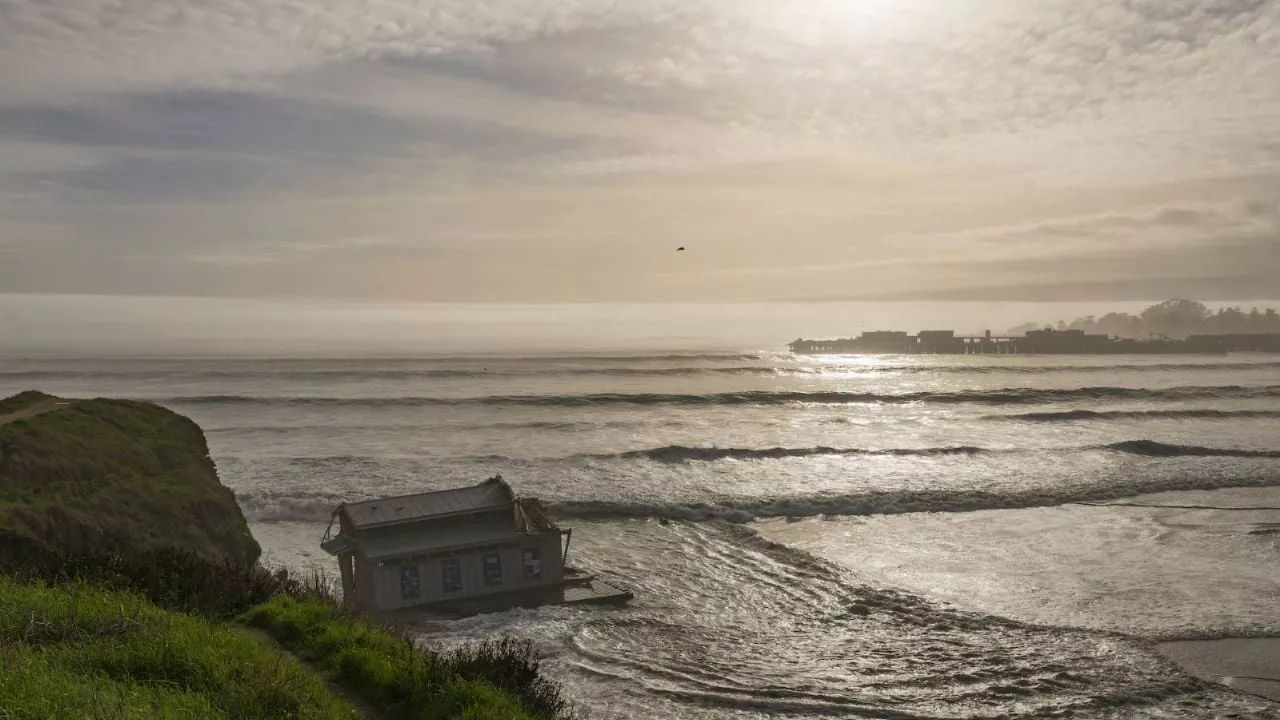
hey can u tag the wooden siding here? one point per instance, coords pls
(386, 586)
(365, 581)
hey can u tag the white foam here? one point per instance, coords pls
(1164, 573)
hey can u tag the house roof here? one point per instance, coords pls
(403, 545)
(492, 494)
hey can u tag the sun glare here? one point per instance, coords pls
(832, 22)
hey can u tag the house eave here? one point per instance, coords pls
(417, 518)
(460, 544)
(339, 545)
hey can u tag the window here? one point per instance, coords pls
(451, 574)
(532, 563)
(492, 569)
(410, 583)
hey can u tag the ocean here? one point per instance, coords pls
(878, 537)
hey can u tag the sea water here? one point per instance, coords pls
(890, 537)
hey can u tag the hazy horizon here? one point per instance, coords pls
(88, 326)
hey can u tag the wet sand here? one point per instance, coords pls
(1250, 665)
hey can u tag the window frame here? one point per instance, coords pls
(410, 579)
(532, 557)
(492, 580)
(454, 564)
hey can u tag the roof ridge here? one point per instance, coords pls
(414, 494)
(490, 494)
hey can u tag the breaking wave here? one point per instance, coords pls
(685, 453)
(556, 366)
(416, 428)
(1151, 448)
(1048, 369)
(1003, 396)
(677, 454)
(272, 507)
(1190, 414)
(893, 502)
(275, 507)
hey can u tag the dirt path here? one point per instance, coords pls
(36, 409)
(366, 711)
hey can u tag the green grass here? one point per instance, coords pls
(392, 675)
(114, 473)
(170, 578)
(23, 401)
(78, 652)
(377, 666)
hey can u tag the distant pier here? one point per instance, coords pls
(1035, 342)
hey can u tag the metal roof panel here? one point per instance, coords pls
(489, 495)
(404, 545)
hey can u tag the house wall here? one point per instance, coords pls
(393, 577)
(365, 581)
(346, 569)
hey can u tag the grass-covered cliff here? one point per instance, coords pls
(129, 588)
(77, 651)
(95, 474)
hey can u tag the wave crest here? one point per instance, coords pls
(555, 366)
(276, 507)
(1151, 448)
(684, 453)
(889, 502)
(1189, 414)
(1004, 396)
(1144, 447)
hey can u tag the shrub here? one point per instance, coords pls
(492, 680)
(511, 665)
(171, 578)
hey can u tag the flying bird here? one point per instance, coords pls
(680, 249)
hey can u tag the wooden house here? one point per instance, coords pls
(464, 548)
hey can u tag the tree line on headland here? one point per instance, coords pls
(1176, 318)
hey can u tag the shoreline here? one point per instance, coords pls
(1249, 665)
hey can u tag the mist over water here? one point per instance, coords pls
(50, 325)
(837, 530)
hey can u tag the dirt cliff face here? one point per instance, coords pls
(93, 475)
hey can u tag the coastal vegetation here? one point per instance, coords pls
(75, 650)
(118, 599)
(498, 679)
(1176, 318)
(114, 474)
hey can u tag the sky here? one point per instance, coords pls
(558, 151)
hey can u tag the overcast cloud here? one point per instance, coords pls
(541, 151)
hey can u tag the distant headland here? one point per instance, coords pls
(1169, 328)
(1177, 318)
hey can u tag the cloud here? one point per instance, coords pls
(541, 150)
(1155, 230)
(237, 123)
(81, 46)
(293, 250)
(1227, 251)
(961, 82)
